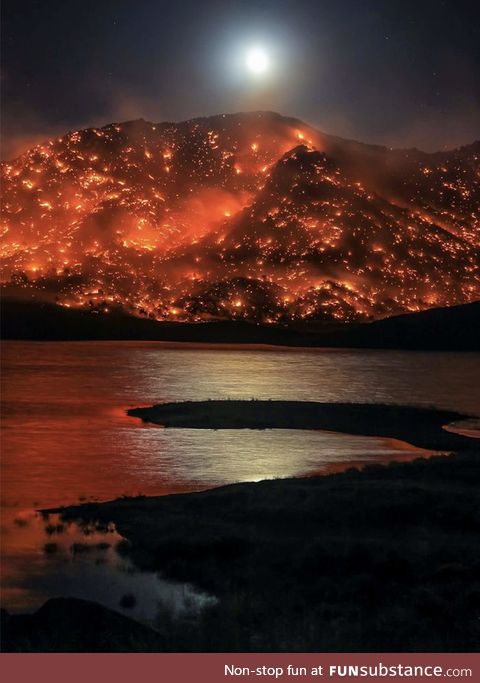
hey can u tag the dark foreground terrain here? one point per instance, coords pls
(72, 625)
(383, 559)
(456, 328)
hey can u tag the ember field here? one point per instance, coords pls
(248, 216)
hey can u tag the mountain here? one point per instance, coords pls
(447, 329)
(250, 216)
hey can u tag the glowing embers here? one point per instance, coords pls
(233, 217)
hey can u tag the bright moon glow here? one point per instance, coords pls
(257, 60)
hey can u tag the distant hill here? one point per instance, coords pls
(454, 328)
(251, 216)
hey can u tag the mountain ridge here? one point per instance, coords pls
(474, 145)
(160, 218)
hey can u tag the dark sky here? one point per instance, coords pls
(400, 73)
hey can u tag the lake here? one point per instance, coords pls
(66, 437)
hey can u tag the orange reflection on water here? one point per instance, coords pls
(66, 436)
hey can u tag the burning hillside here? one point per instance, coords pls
(251, 216)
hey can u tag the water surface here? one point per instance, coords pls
(66, 436)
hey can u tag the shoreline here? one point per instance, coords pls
(419, 427)
(243, 346)
(453, 328)
(362, 546)
(378, 559)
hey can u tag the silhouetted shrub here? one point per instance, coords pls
(50, 548)
(128, 601)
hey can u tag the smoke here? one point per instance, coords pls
(250, 215)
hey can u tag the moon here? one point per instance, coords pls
(257, 60)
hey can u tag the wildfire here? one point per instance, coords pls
(195, 221)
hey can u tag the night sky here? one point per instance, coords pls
(399, 73)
